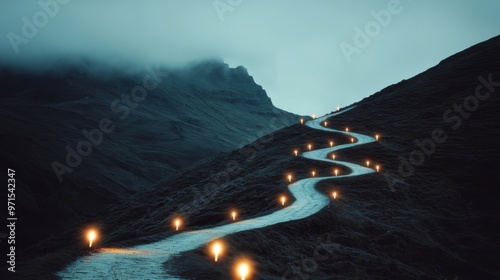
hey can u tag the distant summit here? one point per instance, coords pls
(218, 79)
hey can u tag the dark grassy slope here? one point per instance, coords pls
(195, 113)
(441, 222)
(202, 195)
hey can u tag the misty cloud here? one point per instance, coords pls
(290, 47)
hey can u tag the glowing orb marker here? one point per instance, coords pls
(91, 236)
(333, 157)
(309, 146)
(352, 140)
(377, 137)
(378, 168)
(233, 214)
(336, 172)
(346, 129)
(368, 163)
(243, 270)
(338, 108)
(313, 173)
(313, 116)
(334, 194)
(177, 223)
(331, 143)
(283, 199)
(216, 248)
(326, 123)
(289, 177)
(296, 152)
(301, 121)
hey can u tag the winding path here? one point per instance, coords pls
(148, 259)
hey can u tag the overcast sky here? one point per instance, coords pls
(303, 52)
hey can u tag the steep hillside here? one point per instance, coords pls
(433, 211)
(80, 138)
(435, 219)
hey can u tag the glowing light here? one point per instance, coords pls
(333, 157)
(177, 223)
(91, 236)
(377, 137)
(301, 121)
(289, 177)
(346, 129)
(377, 167)
(243, 270)
(368, 163)
(216, 249)
(352, 140)
(309, 146)
(313, 116)
(233, 214)
(336, 172)
(331, 143)
(326, 123)
(313, 173)
(334, 194)
(283, 200)
(338, 108)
